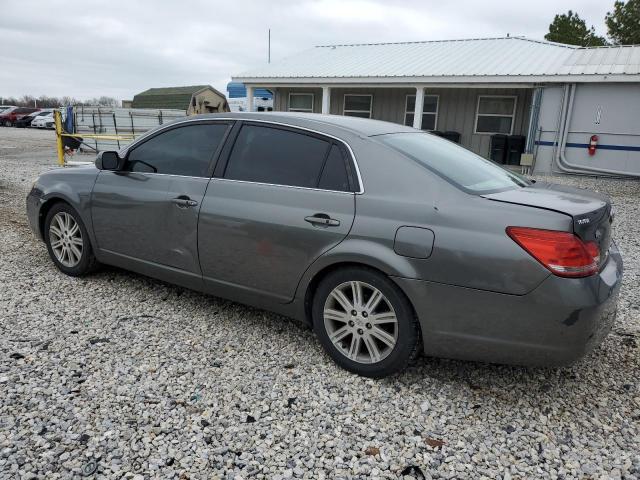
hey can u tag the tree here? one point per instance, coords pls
(45, 101)
(570, 28)
(623, 23)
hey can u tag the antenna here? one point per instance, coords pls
(269, 48)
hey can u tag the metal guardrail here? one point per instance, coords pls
(98, 128)
(61, 134)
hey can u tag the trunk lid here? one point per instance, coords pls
(591, 212)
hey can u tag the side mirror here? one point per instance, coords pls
(109, 161)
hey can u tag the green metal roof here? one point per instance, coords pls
(168, 97)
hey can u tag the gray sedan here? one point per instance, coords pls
(388, 241)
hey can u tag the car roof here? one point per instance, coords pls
(315, 121)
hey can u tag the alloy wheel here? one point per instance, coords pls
(65, 238)
(360, 322)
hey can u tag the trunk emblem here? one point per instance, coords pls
(583, 221)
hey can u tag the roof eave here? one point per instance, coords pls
(457, 79)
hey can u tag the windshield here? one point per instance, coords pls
(456, 164)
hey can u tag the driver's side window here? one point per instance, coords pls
(186, 150)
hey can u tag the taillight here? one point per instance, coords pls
(561, 252)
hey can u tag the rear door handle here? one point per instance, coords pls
(184, 202)
(323, 220)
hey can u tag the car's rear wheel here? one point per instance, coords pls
(68, 241)
(365, 322)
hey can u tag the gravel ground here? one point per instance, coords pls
(121, 376)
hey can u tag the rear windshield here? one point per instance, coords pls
(457, 165)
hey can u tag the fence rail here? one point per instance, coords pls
(96, 129)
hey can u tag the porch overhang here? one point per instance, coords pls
(436, 81)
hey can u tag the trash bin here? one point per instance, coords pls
(497, 148)
(452, 136)
(71, 143)
(515, 148)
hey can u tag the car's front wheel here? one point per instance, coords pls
(365, 322)
(68, 241)
(7, 123)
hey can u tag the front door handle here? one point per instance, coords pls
(322, 220)
(184, 202)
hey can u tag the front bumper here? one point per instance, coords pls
(555, 324)
(34, 202)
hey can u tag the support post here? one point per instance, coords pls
(59, 146)
(326, 100)
(417, 110)
(249, 99)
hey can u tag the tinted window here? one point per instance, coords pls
(495, 114)
(301, 102)
(357, 105)
(273, 155)
(181, 151)
(334, 175)
(493, 124)
(456, 164)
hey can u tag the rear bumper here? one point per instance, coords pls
(555, 324)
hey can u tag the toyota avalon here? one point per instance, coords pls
(386, 240)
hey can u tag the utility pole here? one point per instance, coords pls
(269, 48)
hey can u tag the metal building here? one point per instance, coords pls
(499, 97)
(193, 99)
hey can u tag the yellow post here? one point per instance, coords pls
(60, 147)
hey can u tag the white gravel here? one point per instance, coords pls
(128, 377)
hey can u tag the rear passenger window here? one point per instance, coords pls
(276, 156)
(183, 151)
(334, 176)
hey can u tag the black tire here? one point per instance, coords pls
(408, 340)
(7, 123)
(88, 262)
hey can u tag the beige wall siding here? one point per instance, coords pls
(388, 103)
(216, 103)
(457, 112)
(281, 100)
(456, 108)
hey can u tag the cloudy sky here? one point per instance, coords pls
(117, 48)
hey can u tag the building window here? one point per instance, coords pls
(429, 111)
(357, 105)
(495, 114)
(301, 102)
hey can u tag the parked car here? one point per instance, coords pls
(28, 119)
(44, 121)
(385, 239)
(10, 116)
(4, 108)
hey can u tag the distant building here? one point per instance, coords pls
(126, 103)
(568, 108)
(237, 95)
(193, 99)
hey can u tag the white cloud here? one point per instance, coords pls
(119, 47)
